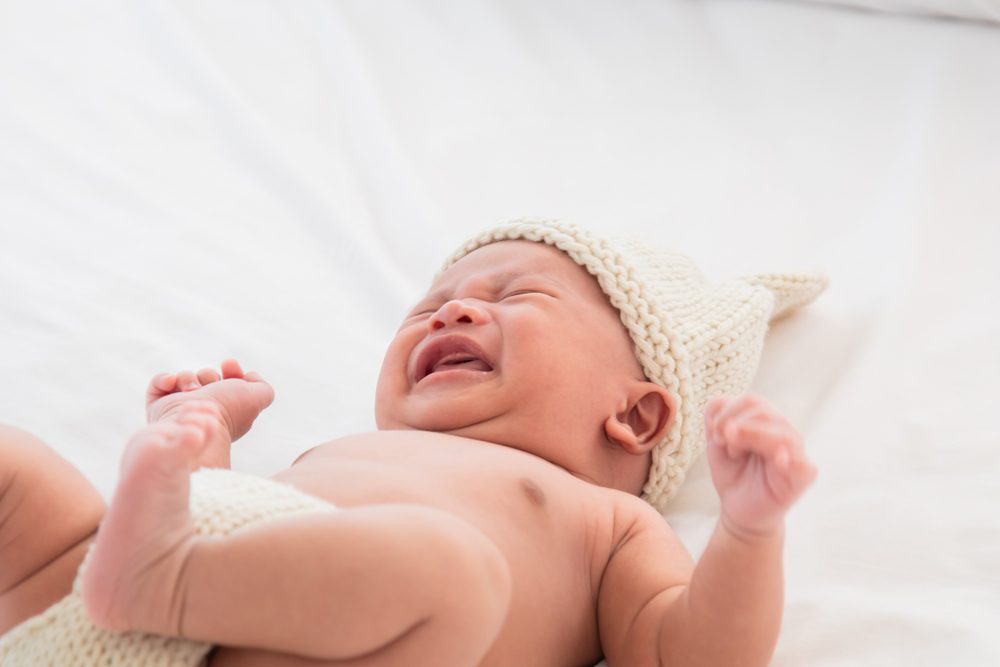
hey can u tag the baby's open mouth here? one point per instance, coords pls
(460, 361)
(451, 353)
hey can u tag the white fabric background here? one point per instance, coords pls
(976, 10)
(186, 181)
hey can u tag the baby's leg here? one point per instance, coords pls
(48, 513)
(385, 586)
(334, 586)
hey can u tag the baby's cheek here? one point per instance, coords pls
(392, 378)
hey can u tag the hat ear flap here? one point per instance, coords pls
(791, 290)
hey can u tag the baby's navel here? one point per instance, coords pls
(533, 491)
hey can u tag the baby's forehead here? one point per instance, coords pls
(504, 262)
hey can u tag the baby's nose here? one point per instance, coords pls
(455, 312)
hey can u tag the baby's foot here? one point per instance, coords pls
(238, 397)
(133, 578)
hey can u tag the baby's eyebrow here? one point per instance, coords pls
(497, 282)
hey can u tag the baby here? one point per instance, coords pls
(494, 518)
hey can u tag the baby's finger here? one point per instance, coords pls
(208, 376)
(738, 408)
(720, 410)
(803, 471)
(770, 441)
(714, 406)
(792, 482)
(231, 369)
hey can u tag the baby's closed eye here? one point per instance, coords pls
(524, 292)
(520, 292)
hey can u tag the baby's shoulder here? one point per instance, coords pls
(628, 516)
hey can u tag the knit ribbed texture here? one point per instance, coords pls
(695, 338)
(222, 501)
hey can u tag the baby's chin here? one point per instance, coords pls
(478, 429)
(455, 412)
(478, 425)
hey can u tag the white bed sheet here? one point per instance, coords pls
(975, 10)
(183, 181)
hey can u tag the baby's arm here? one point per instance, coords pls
(726, 611)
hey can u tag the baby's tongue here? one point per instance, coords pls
(464, 363)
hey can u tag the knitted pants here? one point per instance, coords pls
(63, 636)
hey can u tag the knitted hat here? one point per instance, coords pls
(695, 338)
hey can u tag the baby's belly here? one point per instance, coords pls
(554, 529)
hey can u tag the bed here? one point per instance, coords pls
(182, 182)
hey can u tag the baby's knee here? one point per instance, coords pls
(39, 488)
(16, 444)
(27, 462)
(46, 509)
(21, 452)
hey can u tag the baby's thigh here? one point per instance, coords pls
(436, 642)
(48, 511)
(399, 585)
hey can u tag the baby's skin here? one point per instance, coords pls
(492, 520)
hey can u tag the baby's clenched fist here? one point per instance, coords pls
(758, 462)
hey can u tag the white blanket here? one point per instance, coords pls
(277, 181)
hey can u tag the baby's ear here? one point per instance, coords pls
(645, 419)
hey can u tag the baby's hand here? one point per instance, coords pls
(758, 462)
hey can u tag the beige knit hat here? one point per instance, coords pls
(695, 338)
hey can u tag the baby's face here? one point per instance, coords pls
(514, 344)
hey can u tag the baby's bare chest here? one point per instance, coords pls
(526, 504)
(555, 530)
